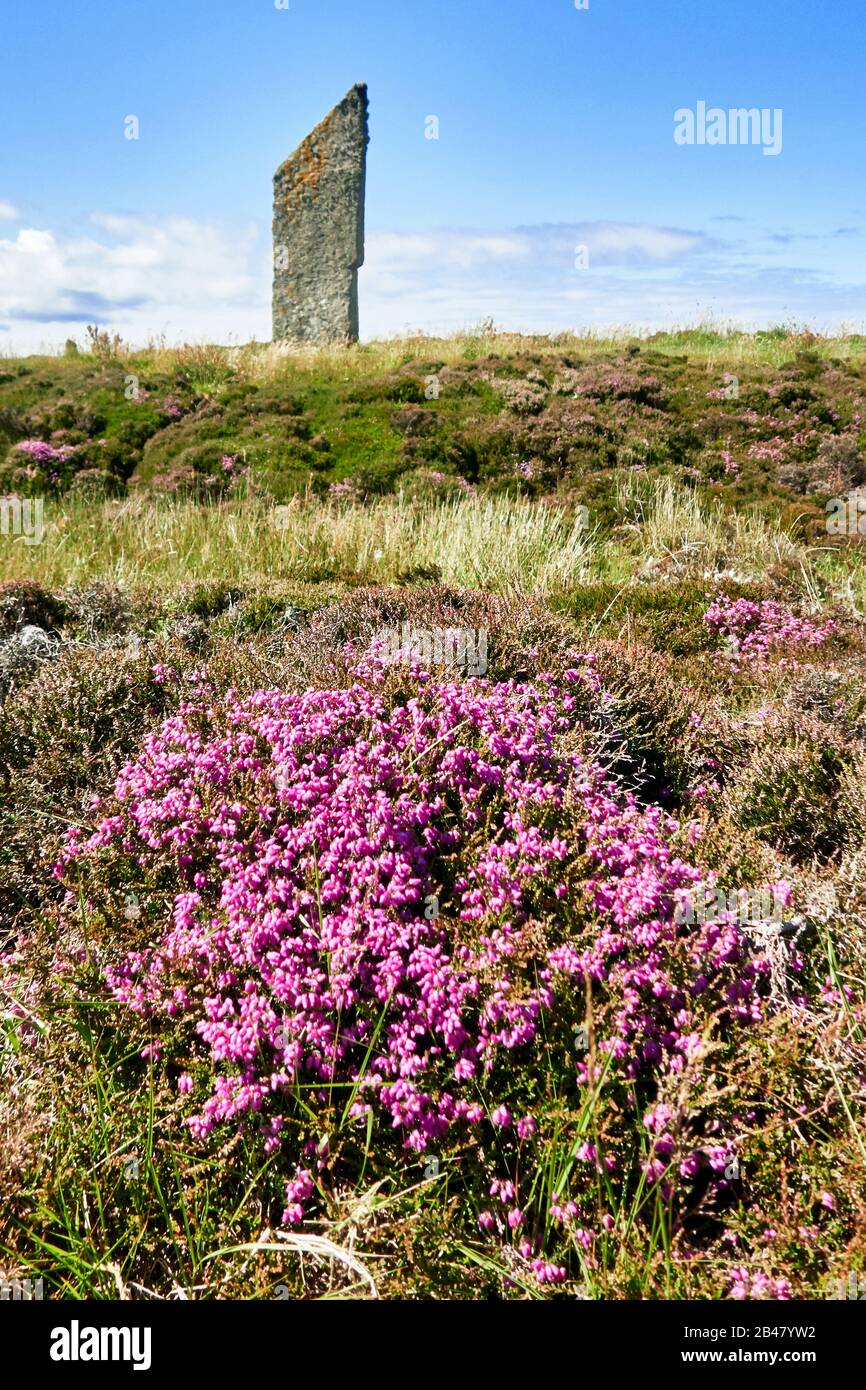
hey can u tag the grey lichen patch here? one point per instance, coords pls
(319, 228)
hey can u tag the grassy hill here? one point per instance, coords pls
(340, 973)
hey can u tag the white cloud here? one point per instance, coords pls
(387, 251)
(206, 281)
(142, 277)
(621, 239)
(614, 243)
(634, 275)
(8, 212)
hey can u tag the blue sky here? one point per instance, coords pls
(556, 132)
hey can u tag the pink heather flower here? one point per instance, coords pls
(547, 1273)
(475, 783)
(163, 673)
(341, 490)
(746, 1285)
(42, 453)
(656, 1120)
(828, 1201)
(781, 891)
(757, 630)
(691, 1166)
(184, 1082)
(486, 1221)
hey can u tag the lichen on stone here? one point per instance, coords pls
(318, 228)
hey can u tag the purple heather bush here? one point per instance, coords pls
(36, 465)
(45, 455)
(759, 629)
(419, 909)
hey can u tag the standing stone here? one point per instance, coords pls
(319, 228)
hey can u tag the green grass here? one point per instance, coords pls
(210, 366)
(102, 1191)
(506, 545)
(120, 1205)
(578, 420)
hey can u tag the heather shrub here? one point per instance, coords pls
(641, 718)
(736, 856)
(842, 457)
(12, 423)
(61, 736)
(89, 613)
(160, 454)
(620, 382)
(210, 600)
(24, 602)
(401, 387)
(427, 484)
(94, 484)
(649, 722)
(134, 433)
(83, 717)
(206, 462)
(178, 480)
(516, 629)
(101, 610)
(789, 792)
(415, 420)
(666, 616)
(837, 696)
(484, 448)
(802, 1180)
(852, 800)
(388, 961)
(378, 476)
(521, 396)
(272, 613)
(33, 468)
(755, 631)
(380, 898)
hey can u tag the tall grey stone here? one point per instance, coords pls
(319, 228)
